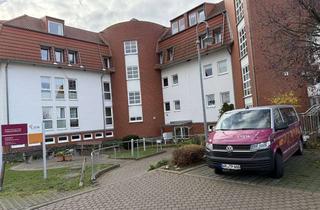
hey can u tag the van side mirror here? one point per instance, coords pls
(282, 126)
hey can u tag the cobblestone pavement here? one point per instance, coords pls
(163, 190)
(301, 172)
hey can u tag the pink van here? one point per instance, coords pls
(260, 138)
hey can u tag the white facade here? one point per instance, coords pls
(26, 102)
(188, 91)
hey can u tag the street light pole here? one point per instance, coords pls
(207, 38)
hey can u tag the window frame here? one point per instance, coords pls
(180, 21)
(44, 89)
(170, 54)
(44, 120)
(130, 43)
(192, 15)
(61, 57)
(74, 55)
(239, 10)
(136, 120)
(222, 95)
(59, 118)
(48, 50)
(75, 91)
(57, 23)
(173, 83)
(50, 142)
(175, 105)
(130, 71)
(243, 45)
(163, 83)
(106, 92)
(246, 81)
(135, 101)
(74, 118)
(63, 141)
(57, 90)
(165, 106)
(208, 100)
(205, 68)
(108, 116)
(77, 139)
(219, 67)
(87, 138)
(98, 137)
(175, 27)
(198, 15)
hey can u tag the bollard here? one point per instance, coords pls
(92, 170)
(132, 152)
(144, 144)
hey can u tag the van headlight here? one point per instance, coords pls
(209, 146)
(260, 146)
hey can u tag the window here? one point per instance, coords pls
(59, 88)
(277, 118)
(74, 117)
(45, 53)
(289, 115)
(45, 88)
(130, 47)
(217, 36)
(225, 97)
(55, 28)
(239, 10)
(165, 82)
(175, 79)
(58, 55)
(208, 70)
(107, 62)
(211, 102)
(62, 139)
(109, 134)
(177, 106)
(87, 136)
(167, 106)
(72, 83)
(222, 67)
(201, 16)
(98, 136)
(61, 117)
(192, 19)
(170, 53)
(182, 25)
(107, 91)
(181, 132)
(203, 44)
(243, 42)
(135, 119)
(161, 57)
(50, 140)
(132, 72)
(72, 57)
(47, 117)
(76, 137)
(134, 98)
(108, 113)
(175, 27)
(246, 81)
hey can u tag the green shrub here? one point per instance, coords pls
(187, 154)
(199, 140)
(226, 107)
(158, 164)
(126, 139)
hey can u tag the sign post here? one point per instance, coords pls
(37, 136)
(11, 135)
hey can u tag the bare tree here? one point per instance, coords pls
(293, 41)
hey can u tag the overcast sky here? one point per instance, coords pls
(96, 15)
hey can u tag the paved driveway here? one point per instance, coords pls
(138, 189)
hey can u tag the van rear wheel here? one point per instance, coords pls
(278, 166)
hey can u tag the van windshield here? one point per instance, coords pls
(245, 120)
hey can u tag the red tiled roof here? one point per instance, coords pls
(35, 24)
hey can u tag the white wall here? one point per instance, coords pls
(188, 90)
(26, 104)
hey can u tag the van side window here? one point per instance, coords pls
(289, 115)
(277, 118)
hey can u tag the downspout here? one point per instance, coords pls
(7, 92)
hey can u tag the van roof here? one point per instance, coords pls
(264, 107)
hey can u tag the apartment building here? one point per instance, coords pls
(135, 77)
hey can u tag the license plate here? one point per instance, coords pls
(231, 166)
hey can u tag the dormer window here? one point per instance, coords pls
(161, 57)
(170, 53)
(201, 16)
(217, 36)
(58, 55)
(55, 28)
(45, 53)
(177, 26)
(192, 19)
(72, 57)
(107, 62)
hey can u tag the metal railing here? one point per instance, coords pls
(310, 122)
(133, 149)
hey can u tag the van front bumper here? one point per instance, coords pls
(260, 160)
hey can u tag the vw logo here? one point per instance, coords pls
(229, 148)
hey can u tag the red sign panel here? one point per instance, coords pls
(14, 134)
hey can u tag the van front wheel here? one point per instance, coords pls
(278, 166)
(218, 171)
